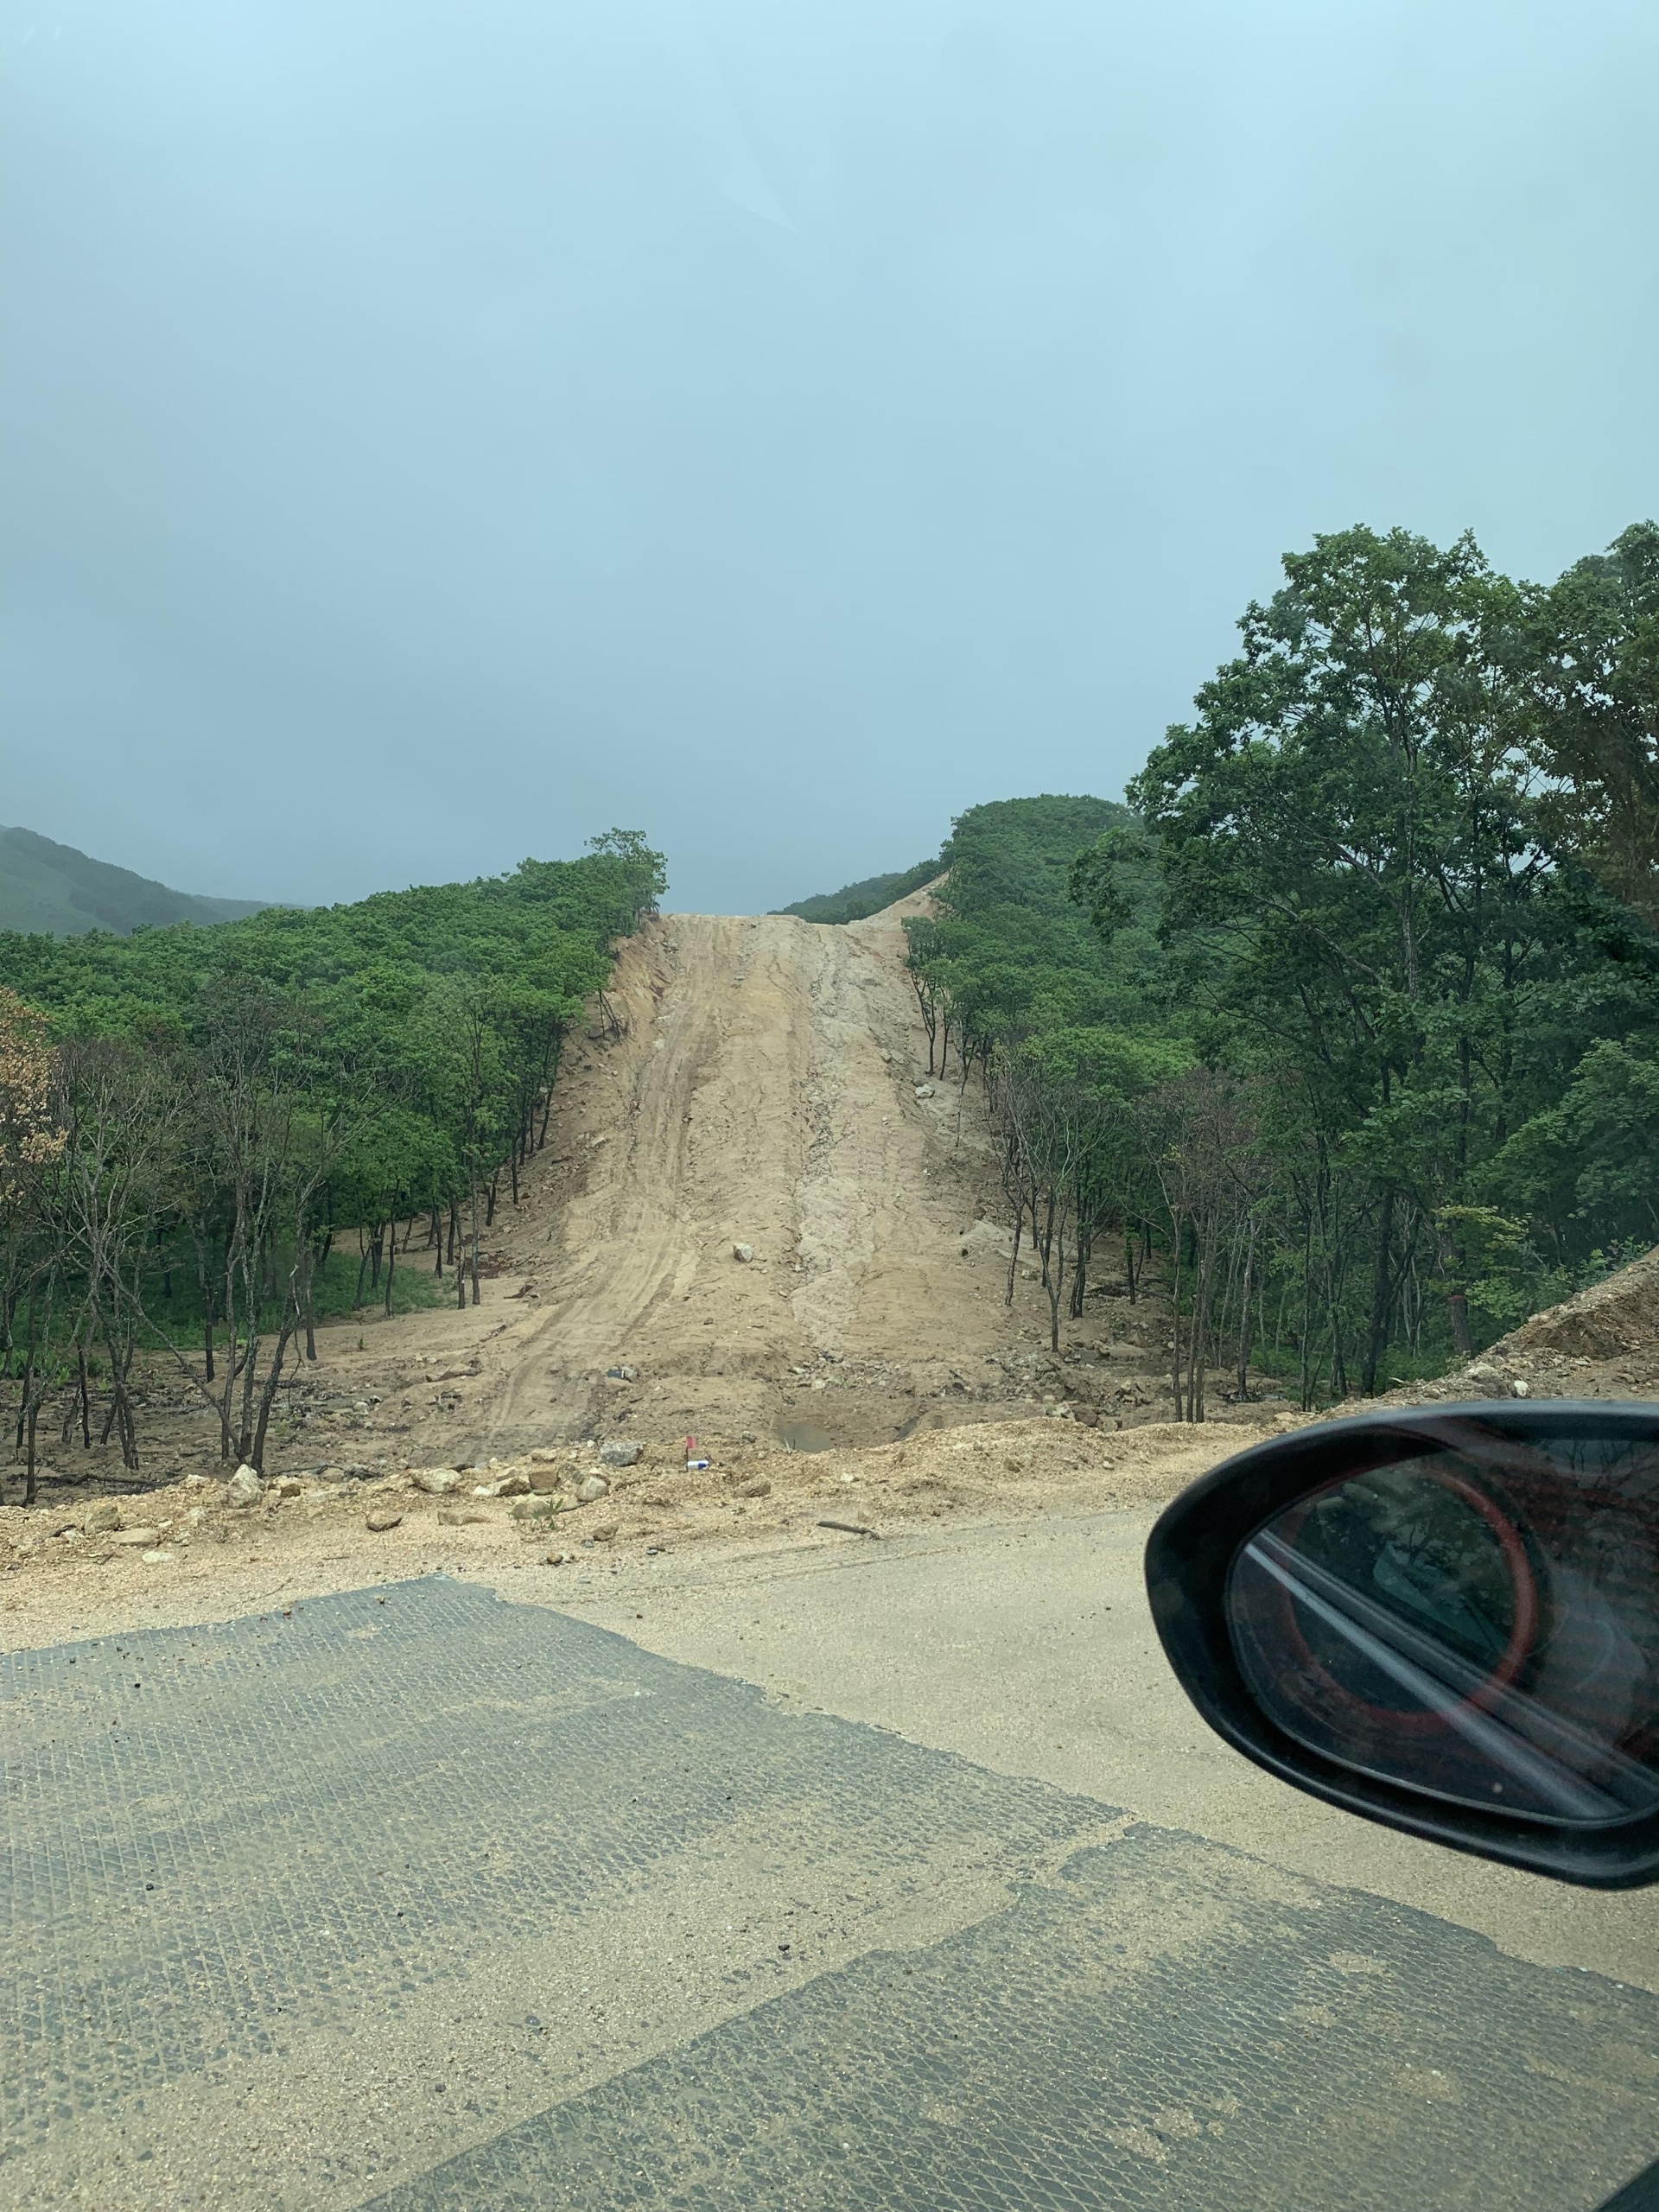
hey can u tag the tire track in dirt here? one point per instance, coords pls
(761, 1091)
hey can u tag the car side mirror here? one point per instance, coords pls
(1445, 1619)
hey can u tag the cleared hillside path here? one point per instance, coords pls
(760, 1090)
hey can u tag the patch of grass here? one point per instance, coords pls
(174, 1300)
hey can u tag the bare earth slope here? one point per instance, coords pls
(762, 1092)
(1602, 1344)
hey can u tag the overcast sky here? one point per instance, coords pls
(432, 433)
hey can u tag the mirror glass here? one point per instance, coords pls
(1479, 1622)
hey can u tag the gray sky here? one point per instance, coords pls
(432, 433)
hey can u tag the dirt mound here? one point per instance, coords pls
(1615, 1318)
(1602, 1344)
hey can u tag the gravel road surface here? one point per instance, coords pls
(412, 1897)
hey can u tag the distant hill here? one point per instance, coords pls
(49, 890)
(858, 899)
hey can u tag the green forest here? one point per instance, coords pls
(1348, 1022)
(190, 1118)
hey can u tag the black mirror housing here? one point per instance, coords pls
(1399, 1614)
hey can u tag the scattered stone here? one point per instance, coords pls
(545, 1456)
(924, 1090)
(157, 1559)
(197, 1516)
(290, 1486)
(383, 1517)
(457, 1516)
(513, 1485)
(1519, 1389)
(743, 1253)
(621, 1374)
(757, 1486)
(620, 1453)
(534, 1508)
(194, 1481)
(103, 1519)
(143, 1538)
(560, 1558)
(245, 1488)
(595, 1486)
(438, 1481)
(606, 1533)
(544, 1478)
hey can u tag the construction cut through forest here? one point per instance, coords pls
(762, 1236)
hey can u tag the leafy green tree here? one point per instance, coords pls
(1351, 838)
(1591, 659)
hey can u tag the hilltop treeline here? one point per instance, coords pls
(854, 902)
(1351, 1017)
(190, 1117)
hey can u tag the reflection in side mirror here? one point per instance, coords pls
(1447, 1620)
(1411, 1623)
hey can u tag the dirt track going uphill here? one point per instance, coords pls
(761, 1093)
(746, 1083)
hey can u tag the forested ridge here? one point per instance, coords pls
(54, 889)
(190, 1118)
(1349, 1021)
(854, 902)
